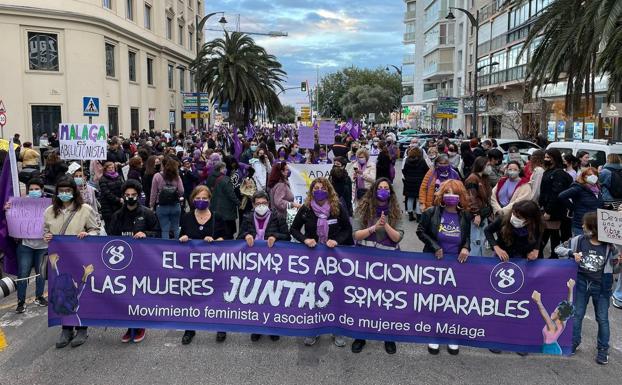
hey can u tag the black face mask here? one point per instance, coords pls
(548, 163)
(158, 167)
(133, 201)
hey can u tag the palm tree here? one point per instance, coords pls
(234, 69)
(580, 40)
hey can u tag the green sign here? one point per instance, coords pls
(192, 100)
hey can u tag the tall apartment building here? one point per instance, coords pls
(134, 55)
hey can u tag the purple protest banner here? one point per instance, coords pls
(327, 132)
(298, 291)
(25, 217)
(306, 137)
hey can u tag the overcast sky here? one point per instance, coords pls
(328, 34)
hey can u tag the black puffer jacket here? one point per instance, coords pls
(277, 227)
(110, 193)
(554, 181)
(414, 171)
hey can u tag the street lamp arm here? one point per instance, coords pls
(285, 89)
(399, 71)
(201, 23)
(472, 18)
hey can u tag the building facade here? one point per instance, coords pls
(134, 55)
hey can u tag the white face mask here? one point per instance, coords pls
(591, 179)
(517, 222)
(261, 210)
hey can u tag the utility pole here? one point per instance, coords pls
(317, 90)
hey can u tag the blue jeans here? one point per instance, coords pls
(617, 292)
(599, 293)
(410, 204)
(478, 238)
(168, 215)
(27, 258)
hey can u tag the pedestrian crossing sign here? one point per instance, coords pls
(90, 106)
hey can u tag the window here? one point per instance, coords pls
(181, 35)
(182, 78)
(169, 28)
(107, 4)
(190, 41)
(132, 65)
(134, 122)
(171, 76)
(129, 9)
(147, 16)
(191, 81)
(171, 119)
(113, 121)
(110, 70)
(152, 114)
(42, 51)
(150, 71)
(45, 120)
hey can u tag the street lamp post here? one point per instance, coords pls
(199, 32)
(399, 72)
(474, 23)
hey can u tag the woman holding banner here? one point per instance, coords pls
(201, 223)
(30, 253)
(263, 224)
(445, 228)
(326, 222)
(68, 215)
(281, 194)
(110, 188)
(378, 223)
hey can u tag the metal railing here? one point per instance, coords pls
(409, 15)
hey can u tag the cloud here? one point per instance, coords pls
(325, 34)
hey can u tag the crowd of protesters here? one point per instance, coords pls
(467, 197)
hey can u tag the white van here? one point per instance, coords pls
(597, 148)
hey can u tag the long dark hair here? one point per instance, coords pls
(530, 212)
(170, 169)
(366, 210)
(556, 156)
(276, 174)
(77, 202)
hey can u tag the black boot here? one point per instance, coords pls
(411, 216)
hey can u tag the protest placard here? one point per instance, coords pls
(302, 175)
(610, 226)
(83, 141)
(327, 132)
(25, 217)
(291, 289)
(306, 137)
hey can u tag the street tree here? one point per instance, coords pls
(235, 70)
(287, 115)
(334, 86)
(361, 100)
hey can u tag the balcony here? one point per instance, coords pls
(438, 70)
(408, 99)
(409, 59)
(408, 79)
(431, 95)
(409, 37)
(410, 15)
(504, 76)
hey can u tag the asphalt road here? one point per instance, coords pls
(31, 357)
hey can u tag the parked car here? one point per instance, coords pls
(597, 148)
(525, 147)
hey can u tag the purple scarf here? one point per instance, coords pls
(380, 209)
(112, 175)
(261, 224)
(594, 189)
(322, 212)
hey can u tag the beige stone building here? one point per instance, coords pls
(134, 55)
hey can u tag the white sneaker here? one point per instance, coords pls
(310, 341)
(454, 347)
(434, 346)
(340, 341)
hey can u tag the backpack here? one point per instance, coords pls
(168, 195)
(615, 184)
(64, 295)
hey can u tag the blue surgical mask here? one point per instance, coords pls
(35, 193)
(79, 181)
(253, 148)
(65, 196)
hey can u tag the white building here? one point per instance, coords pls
(134, 55)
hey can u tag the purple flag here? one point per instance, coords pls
(356, 130)
(7, 245)
(237, 145)
(277, 133)
(250, 131)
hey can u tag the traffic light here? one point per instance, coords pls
(303, 86)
